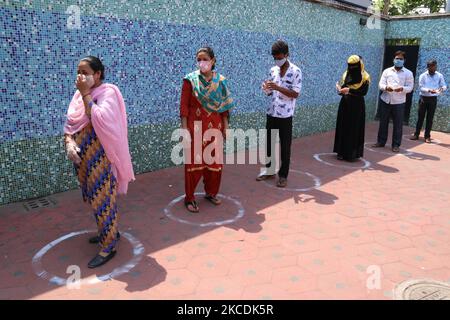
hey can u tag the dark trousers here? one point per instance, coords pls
(284, 126)
(397, 112)
(427, 105)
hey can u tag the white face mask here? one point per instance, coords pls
(204, 66)
(90, 80)
(280, 62)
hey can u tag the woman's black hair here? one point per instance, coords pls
(95, 65)
(209, 51)
(280, 46)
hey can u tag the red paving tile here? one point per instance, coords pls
(209, 266)
(251, 272)
(339, 286)
(356, 267)
(377, 253)
(277, 257)
(325, 243)
(266, 292)
(356, 235)
(294, 279)
(399, 271)
(318, 263)
(300, 243)
(178, 282)
(420, 259)
(392, 240)
(218, 288)
(339, 248)
(431, 245)
(405, 228)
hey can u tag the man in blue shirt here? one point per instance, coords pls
(431, 84)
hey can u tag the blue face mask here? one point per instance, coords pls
(398, 63)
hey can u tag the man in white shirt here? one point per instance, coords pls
(431, 84)
(283, 86)
(395, 83)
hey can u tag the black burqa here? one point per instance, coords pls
(350, 124)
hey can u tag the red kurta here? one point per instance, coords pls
(191, 108)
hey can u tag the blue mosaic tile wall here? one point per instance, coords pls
(147, 47)
(146, 60)
(434, 37)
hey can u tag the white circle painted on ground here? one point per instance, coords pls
(405, 152)
(317, 156)
(138, 251)
(433, 141)
(240, 213)
(317, 182)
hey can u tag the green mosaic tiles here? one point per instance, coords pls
(38, 167)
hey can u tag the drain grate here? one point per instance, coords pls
(35, 204)
(422, 290)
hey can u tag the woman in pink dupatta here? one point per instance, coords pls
(96, 140)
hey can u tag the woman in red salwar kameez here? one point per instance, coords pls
(205, 104)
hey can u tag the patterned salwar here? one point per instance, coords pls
(98, 186)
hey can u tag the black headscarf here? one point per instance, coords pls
(354, 74)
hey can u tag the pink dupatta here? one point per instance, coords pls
(109, 119)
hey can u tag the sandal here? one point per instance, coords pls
(264, 177)
(213, 200)
(192, 206)
(282, 183)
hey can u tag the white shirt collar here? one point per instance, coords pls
(401, 70)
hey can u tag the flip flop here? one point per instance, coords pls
(213, 200)
(194, 206)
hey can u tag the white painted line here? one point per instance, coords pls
(403, 151)
(317, 182)
(317, 156)
(433, 141)
(169, 214)
(138, 251)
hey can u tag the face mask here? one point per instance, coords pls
(204, 66)
(90, 80)
(280, 62)
(398, 63)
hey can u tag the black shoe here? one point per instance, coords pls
(378, 145)
(99, 260)
(414, 137)
(339, 157)
(395, 149)
(96, 239)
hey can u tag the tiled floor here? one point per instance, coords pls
(392, 218)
